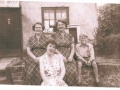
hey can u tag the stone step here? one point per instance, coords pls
(4, 62)
(2, 72)
(3, 80)
(109, 75)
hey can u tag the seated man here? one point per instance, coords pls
(85, 56)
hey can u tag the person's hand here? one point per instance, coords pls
(37, 60)
(60, 81)
(70, 59)
(89, 63)
(46, 82)
(85, 62)
(64, 59)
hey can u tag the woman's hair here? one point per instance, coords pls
(51, 41)
(33, 27)
(61, 20)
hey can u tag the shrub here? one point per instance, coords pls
(108, 31)
(109, 45)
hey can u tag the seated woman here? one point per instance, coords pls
(66, 48)
(35, 48)
(52, 67)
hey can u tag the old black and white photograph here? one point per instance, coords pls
(67, 44)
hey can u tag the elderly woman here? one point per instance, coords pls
(35, 48)
(52, 67)
(66, 48)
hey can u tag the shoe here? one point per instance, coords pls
(79, 82)
(97, 84)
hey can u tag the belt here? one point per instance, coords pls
(37, 48)
(63, 47)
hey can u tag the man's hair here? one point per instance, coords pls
(83, 35)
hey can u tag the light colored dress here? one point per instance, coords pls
(52, 72)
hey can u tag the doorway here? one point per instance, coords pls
(10, 32)
(73, 32)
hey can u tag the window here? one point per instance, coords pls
(51, 14)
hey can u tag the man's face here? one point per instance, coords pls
(83, 40)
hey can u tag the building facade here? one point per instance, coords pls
(17, 21)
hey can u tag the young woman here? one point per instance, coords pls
(52, 67)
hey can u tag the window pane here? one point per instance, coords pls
(46, 23)
(46, 14)
(51, 14)
(58, 14)
(64, 14)
(52, 22)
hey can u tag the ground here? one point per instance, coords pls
(109, 72)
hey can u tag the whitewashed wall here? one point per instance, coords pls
(83, 14)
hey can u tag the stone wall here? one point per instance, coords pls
(109, 74)
(18, 74)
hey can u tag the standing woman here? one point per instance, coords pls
(35, 48)
(66, 48)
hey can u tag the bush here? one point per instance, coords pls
(108, 31)
(109, 45)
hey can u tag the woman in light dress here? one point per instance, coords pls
(52, 67)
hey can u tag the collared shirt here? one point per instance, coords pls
(85, 51)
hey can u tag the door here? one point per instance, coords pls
(73, 32)
(10, 32)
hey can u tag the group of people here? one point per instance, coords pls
(51, 61)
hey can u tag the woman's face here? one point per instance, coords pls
(38, 28)
(61, 26)
(51, 48)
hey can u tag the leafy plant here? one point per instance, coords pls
(108, 31)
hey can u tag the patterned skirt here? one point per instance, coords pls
(71, 76)
(33, 76)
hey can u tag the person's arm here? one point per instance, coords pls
(57, 52)
(71, 52)
(92, 57)
(62, 66)
(78, 54)
(42, 73)
(30, 53)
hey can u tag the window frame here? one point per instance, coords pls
(55, 8)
